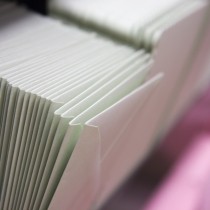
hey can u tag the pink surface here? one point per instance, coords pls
(183, 188)
(205, 201)
(194, 122)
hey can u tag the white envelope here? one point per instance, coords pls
(118, 159)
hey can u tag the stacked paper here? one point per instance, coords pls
(132, 21)
(78, 110)
(54, 79)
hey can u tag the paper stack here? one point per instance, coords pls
(78, 110)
